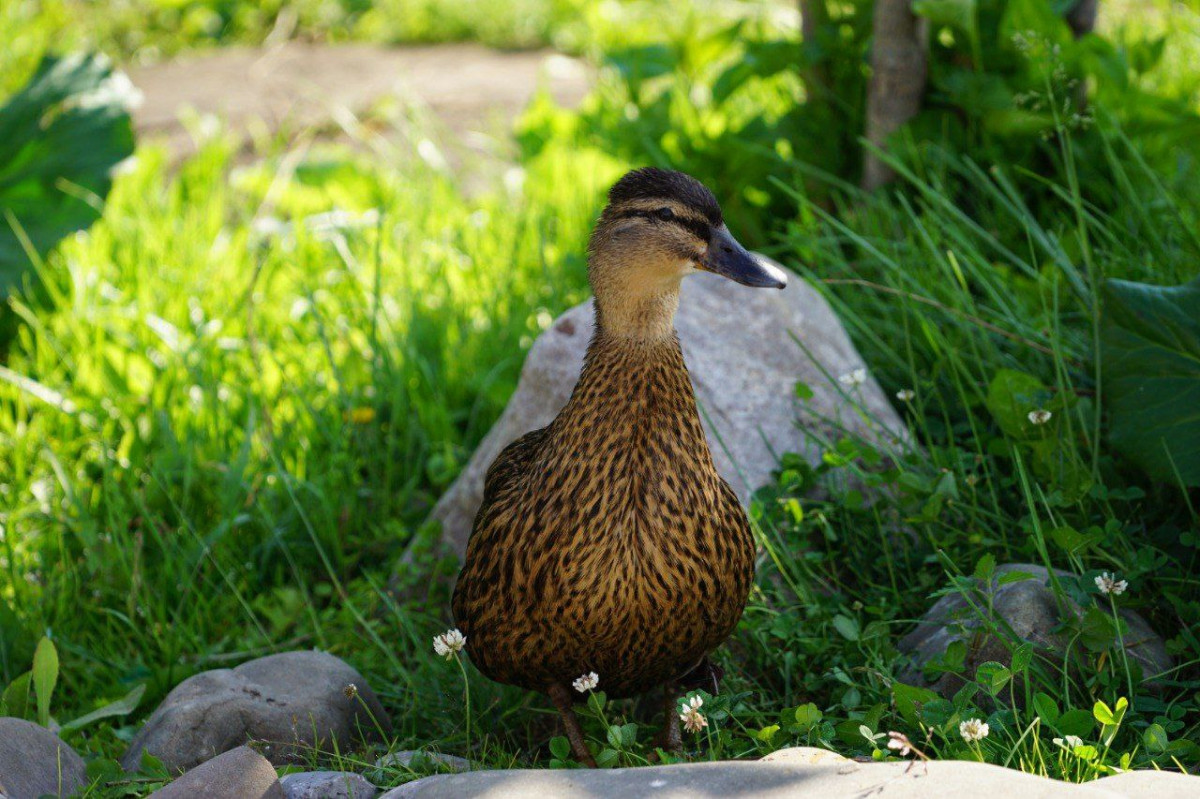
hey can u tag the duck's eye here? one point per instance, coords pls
(665, 214)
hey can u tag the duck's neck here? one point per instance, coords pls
(642, 315)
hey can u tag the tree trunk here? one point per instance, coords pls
(814, 16)
(1082, 18)
(897, 87)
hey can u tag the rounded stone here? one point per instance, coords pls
(294, 703)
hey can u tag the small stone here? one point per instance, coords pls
(327, 785)
(745, 364)
(240, 773)
(35, 762)
(292, 702)
(419, 760)
(1030, 608)
(804, 755)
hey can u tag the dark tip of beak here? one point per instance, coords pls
(728, 258)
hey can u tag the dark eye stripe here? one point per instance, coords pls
(697, 227)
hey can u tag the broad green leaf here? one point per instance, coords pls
(1076, 722)
(60, 137)
(1071, 539)
(985, 567)
(847, 626)
(992, 676)
(910, 699)
(1046, 708)
(1155, 739)
(937, 712)
(1151, 358)
(560, 747)
(1011, 396)
(122, 707)
(1103, 713)
(15, 701)
(1098, 630)
(607, 757)
(45, 676)
(808, 716)
(614, 736)
(596, 702)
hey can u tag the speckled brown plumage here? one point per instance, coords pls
(607, 541)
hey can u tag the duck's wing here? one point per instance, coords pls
(510, 465)
(500, 492)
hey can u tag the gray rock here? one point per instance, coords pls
(804, 755)
(790, 778)
(1031, 609)
(744, 362)
(240, 773)
(419, 760)
(291, 702)
(327, 785)
(35, 762)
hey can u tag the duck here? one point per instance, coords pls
(606, 543)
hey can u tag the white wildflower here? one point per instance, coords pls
(689, 713)
(973, 730)
(898, 742)
(1109, 584)
(906, 395)
(1040, 416)
(854, 378)
(586, 682)
(449, 643)
(1068, 741)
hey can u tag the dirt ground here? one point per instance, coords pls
(467, 89)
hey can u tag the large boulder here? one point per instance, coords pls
(34, 762)
(792, 778)
(1031, 611)
(292, 703)
(240, 773)
(746, 350)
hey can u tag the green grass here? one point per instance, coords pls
(255, 376)
(240, 409)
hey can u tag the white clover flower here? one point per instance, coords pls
(899, 743)
(586, 682)
(906, 395)
(689, 713)
(1040, 416)
(1109, 584)
(854, 378)
(1068, 741)
(449, 643)
(973, 730)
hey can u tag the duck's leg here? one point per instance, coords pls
(561, 696)
(670, 737)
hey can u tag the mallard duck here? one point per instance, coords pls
(607, 542)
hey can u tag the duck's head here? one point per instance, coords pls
(659, 227)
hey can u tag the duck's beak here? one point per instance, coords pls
(729, 259)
